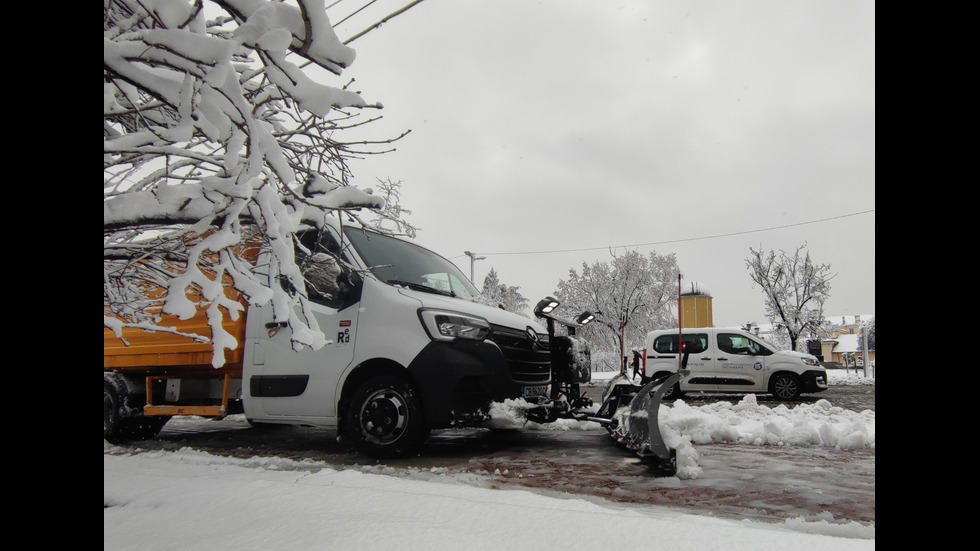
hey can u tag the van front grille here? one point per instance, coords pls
(529, 362)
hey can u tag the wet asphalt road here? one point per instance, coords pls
(739, 481)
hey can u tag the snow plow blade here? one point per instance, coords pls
(637, 426)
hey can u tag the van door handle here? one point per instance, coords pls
(708, 359)
(722, 359)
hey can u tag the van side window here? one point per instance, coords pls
(732, 343)
(326, 282)
(694, 343)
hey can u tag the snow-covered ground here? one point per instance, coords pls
(193, 500)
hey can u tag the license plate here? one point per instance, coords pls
(534, 391)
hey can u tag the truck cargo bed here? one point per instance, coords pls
(166, 353)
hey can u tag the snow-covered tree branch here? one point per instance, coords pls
(630, 296)
(219, 133)
(795, 289)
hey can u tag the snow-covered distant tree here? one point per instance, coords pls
(499, 294)
(221, 128)
(630, 295)
(870, 328)
(795, 289)
(871, 335)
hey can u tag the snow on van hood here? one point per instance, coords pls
(495, 316)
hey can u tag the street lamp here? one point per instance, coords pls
(473, 259)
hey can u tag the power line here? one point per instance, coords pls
(381, 21)
(669, 241)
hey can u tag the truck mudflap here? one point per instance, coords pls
(635, 424)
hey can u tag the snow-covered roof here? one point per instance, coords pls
(847, 343)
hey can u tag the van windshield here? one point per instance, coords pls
(398, 262)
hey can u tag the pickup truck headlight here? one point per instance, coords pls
(449, 326)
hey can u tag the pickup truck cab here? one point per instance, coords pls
(731, 361)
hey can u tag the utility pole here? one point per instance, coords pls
(623, 314)
(864, 349)
(473, 259)
(680, 327)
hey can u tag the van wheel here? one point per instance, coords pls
(385, 418)
(785, 386)
(674, 392)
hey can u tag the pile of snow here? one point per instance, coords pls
(746, 421)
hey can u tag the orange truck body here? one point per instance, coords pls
(162, 353)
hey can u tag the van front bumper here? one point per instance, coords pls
(458, 381)
(814, 381)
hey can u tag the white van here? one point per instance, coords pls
(411, 350)
(731, 361)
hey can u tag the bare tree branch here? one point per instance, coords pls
(795, 289)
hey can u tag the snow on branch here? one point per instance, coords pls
(219, 127)
(629, 295)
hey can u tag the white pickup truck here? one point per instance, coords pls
(730, 361)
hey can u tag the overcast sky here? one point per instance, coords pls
(695, 128)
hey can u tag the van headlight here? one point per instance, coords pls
(810, 360)
(442, 325)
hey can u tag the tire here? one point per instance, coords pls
(118, 429)
(785, 386)
(385, 418)
(674, 392)
(114, 427)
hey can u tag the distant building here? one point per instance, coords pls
(842, 343)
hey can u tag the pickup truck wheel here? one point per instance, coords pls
(785, 386)
(385, 418)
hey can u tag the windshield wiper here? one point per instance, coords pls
(421, 287)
